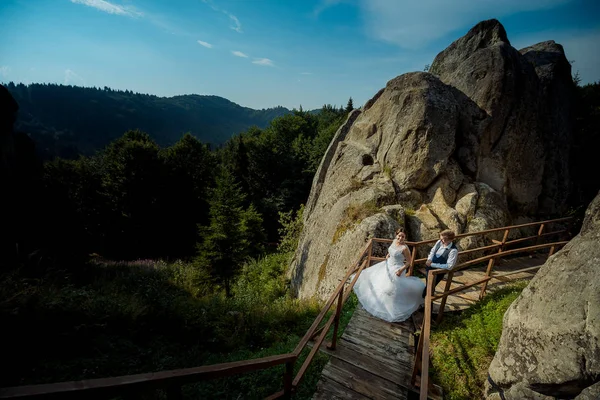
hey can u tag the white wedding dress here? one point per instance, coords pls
(385, 295)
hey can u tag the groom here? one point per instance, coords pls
(443, 255)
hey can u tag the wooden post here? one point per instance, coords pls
(338, 312)
(287, 379)
(539, 234)
(424, 386)
(443, 302)
(491, 263)
(417, 364)
(411, 266)
(552, 249)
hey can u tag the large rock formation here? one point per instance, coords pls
(477, 143)
(550, 344)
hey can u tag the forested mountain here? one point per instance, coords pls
(67, 120)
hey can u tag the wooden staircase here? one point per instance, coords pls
(373, 360)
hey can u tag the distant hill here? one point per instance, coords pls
(67, 120)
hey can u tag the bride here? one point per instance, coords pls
(385, 291)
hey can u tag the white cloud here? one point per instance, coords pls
(4, 71)
(205, 44)
(323, 5)
(577, 45)
(71, 78)
(412, 24)
(239, 54)
(263, 61)
(110, 8)
(237, 26)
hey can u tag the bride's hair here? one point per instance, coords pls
(400, 230)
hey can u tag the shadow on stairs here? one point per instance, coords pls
(373, 360)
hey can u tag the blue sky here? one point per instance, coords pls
(264, 53)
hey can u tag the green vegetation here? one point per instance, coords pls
(118, 318)
(387, 170)
(211, 214)
(353, 215)
(463, 346)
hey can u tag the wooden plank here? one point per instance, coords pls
(380, 355)
(518, 271)
(380, 331)
(400, 376)
(393, 348)
(362, 382)
(328, 389)
(394, 328)
(376, 325)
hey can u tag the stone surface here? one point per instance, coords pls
(550, 343)
(476, 144)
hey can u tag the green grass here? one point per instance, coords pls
(463, 345)
(127, 318)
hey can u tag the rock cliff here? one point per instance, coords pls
(477, 142)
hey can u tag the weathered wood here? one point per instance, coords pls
(459, 289)
(379, 326)
(504, 274)
(426, 331)
(392, 348)
(362, 381)
(276, 395)
(491, 263)
(528, 249)
(397, 373)
(411, 266)
(108, 386)
(328, 389)
(312, 352)
(338, 311)
(444, 296)
(397, 331)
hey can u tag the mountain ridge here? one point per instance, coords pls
(67, 120)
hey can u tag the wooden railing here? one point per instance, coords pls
(173, 380)
(421, 365)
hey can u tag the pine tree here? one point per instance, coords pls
(233, 234)
(350, 105)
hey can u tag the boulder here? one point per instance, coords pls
(550, 343)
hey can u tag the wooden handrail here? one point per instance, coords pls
(462, 235)
(311, 331)
(422, 356)
(115, 385)
(503, 254)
